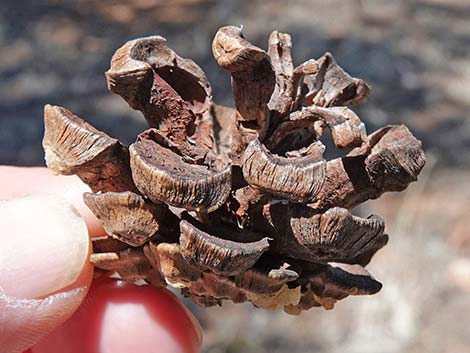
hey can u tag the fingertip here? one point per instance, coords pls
(121, 317)
(45, 248)
(24, 322)
(24, 181)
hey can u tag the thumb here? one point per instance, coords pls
(45, 273)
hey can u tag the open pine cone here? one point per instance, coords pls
(237, 204)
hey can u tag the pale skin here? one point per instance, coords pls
(37, 299)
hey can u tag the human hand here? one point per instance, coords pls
(45, 276)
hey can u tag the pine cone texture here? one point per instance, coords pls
(237, 204)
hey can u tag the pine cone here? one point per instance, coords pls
(237, 204)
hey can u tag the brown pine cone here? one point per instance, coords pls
(237, 204)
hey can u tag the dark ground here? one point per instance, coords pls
(416, 56)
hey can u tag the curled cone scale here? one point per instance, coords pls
(126, 216)
(162, 174)
(237, 203)
(295, 179)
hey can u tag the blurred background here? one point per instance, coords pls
(416, 56)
